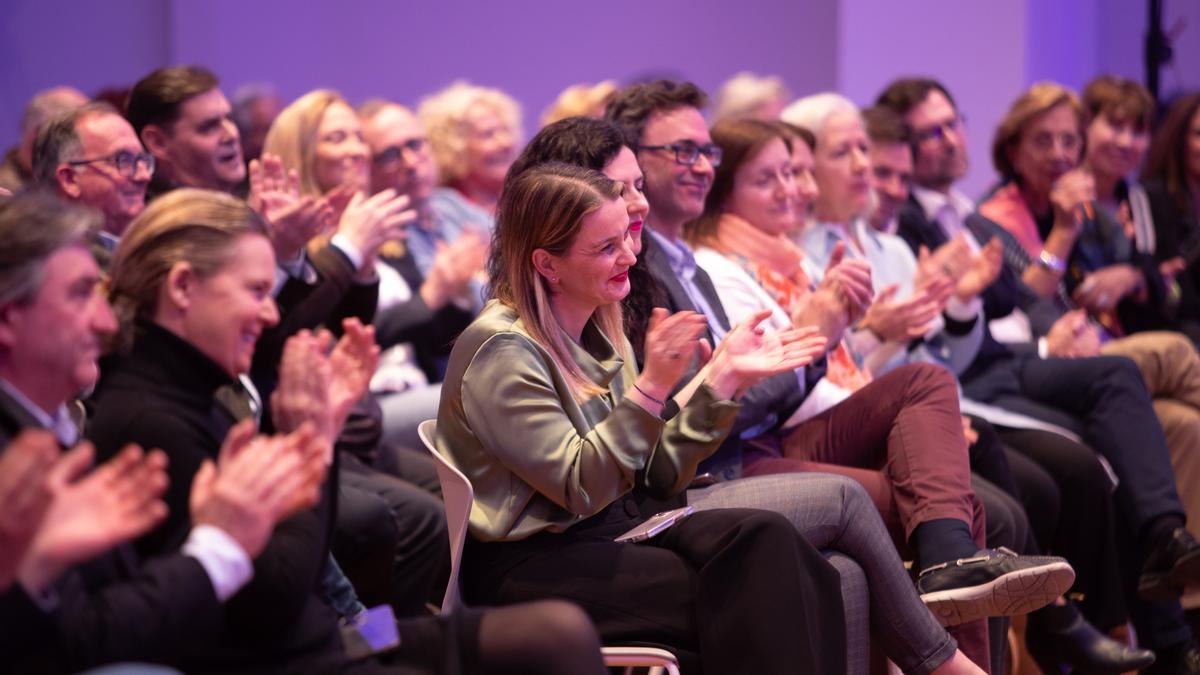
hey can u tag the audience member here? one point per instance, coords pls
(17, 169)
(584, 100)
(544, 410)
(1171, 178)
(255, 107)
(747, 95)
(473, 134)
(92, 156)
(185, 121)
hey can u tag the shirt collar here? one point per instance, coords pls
(932, 202)
(60, 423)
(679, 256)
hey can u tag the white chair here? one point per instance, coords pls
(458, 494)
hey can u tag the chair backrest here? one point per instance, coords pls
(457, 496)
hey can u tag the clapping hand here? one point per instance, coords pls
(257, 482)
(352, 363)
(93, 513)
(24, 496)
(749, 354)
(369, 222)
(294, 220)
(671, 344)
(902, 320)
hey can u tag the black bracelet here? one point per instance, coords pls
(643, 393)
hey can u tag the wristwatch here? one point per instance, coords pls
(1052, 262)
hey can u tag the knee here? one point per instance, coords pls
(565, 629)
(927, 378)
(1123, 369)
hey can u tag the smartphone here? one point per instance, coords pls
(656, 524)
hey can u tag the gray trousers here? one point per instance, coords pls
(836, 516)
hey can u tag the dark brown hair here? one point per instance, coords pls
(1167, 157)
(156, 98)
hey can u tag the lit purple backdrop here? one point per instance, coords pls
(985, 52)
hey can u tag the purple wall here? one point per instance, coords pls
(986, 52)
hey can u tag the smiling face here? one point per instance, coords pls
(891, 177)
(842, 166)
(203, 147)
(764, 189)
(228, 310)
(675, 191)
(491, 148)
(1048, 146)
(1116, 146)
(99, 184)
(624, 169)
(340, 156)
(58, 333)
(595, 269)
(941, 154)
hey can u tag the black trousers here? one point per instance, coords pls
(738, 586)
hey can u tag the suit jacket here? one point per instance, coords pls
(431, 332)
(162, 395)
(768, 403)
(113, 608)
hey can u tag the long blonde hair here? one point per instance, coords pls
(185, 225)
(544, 209)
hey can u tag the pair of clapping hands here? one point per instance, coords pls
(950, 271)
(55, 514)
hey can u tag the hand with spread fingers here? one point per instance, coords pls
(94, 512)
(369, 222)
(454, 266)
(749, 354)
(293, 219)
(256, 482)
(25, 496)
(902, 320)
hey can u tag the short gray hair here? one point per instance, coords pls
(58, 141)
(812, 112)
(33, 226)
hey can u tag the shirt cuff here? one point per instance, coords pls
(1043, 348)
(227, 565)
(348, 249)
(963, 311)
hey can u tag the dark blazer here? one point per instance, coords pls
(772, 401)
(432, 333)
(113, 608)
(162, 395)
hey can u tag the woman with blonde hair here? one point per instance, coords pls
(580, 100)
(544, 410)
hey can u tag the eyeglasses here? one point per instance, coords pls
(1045, 141)
(395, 153)
(939, 131)
(687, 152)
(127, 163)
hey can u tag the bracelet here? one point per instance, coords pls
(1052, 262)
(643, 393)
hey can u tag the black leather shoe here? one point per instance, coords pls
(1171, 567)
(995, 582)
(1179, 660)
(1080, 646)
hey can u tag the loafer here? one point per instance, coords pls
(1171, 567)
(1078, 645)
(993, 582)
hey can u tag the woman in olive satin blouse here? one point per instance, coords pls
(564, 441)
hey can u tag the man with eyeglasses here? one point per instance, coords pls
(92, 156)
(1103, 398)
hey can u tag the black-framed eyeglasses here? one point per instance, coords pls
(126, 162)
(687, 152)
(394, 153)
(939, 131)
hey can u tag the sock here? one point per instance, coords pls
(942, 540)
